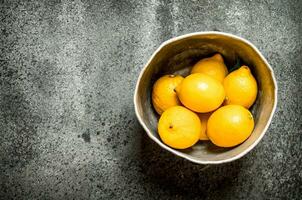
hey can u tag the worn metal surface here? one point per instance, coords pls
(67, 124)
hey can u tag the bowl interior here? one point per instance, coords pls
(177, 56)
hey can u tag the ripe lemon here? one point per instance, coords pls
(230, 125)
(240, 87)
(178, 127)
(213, 66)
(163, 94)
(200, 93)
(204, 119)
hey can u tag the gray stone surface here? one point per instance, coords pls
(67, 124)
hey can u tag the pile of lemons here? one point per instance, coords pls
(208, 104)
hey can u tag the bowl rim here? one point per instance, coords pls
(176, 152)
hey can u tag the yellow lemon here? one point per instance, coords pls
(200, 93)
(204, 119)
(213, 66)
(179, 127)
(240, 87)
(163, 93)
(230, 125)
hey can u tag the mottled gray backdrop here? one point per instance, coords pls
(67, 124)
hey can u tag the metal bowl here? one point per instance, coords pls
(176, 56)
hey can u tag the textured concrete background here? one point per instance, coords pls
(67, 123)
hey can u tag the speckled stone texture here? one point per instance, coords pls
(67, 124)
